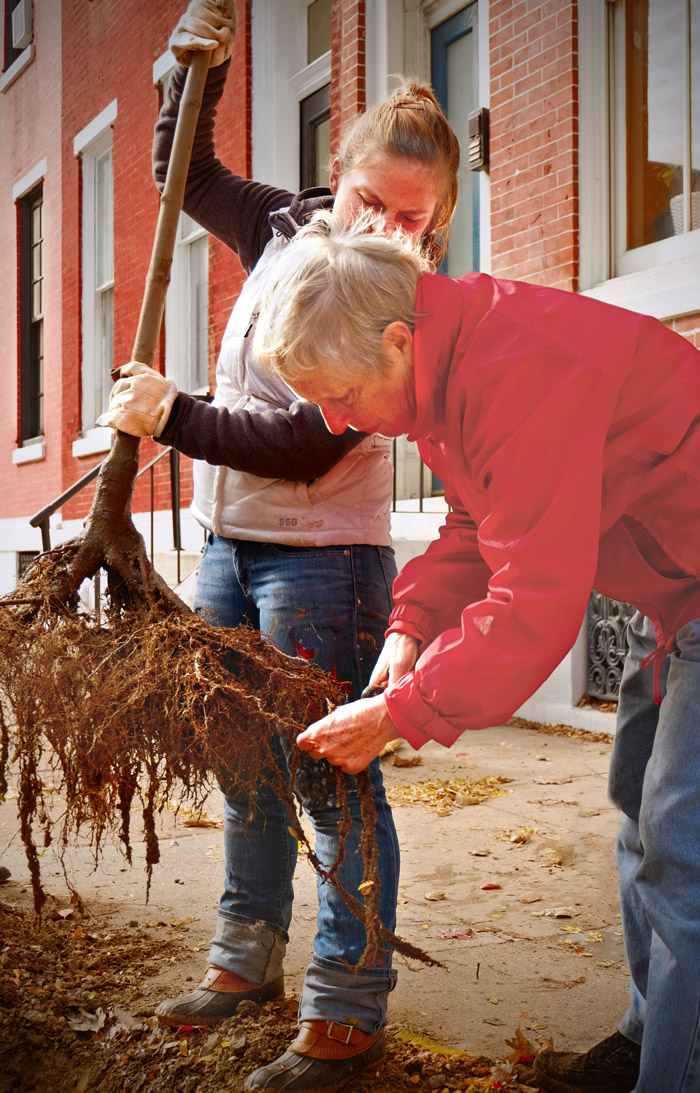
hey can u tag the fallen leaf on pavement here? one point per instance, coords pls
(555, 912)
(457, 933)
(407, 761)
(435, 895)
(523, 1051)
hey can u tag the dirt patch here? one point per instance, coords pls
(75, 1013)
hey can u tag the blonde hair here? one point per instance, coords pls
(334, 290)
(410, 124)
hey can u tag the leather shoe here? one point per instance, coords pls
(612, 1066)
(215, 999)
(325, 1056)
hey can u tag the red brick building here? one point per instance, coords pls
(590, 183)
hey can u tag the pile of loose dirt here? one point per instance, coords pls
(75, 1014)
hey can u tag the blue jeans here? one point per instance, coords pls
(655, 781)
(329, 604)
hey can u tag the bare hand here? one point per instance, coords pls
(398, 657)
(352, 736)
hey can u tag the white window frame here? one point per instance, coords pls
(281, 79)
(661, 279)
(91, 144)
(179, 334)
(181, 352)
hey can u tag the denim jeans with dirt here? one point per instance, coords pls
(329, 604)
(655, 782)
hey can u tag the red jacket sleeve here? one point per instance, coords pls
(530, 473)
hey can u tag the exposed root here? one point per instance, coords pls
(145, 705)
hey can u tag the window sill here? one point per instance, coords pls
(95, 441)
(16, 67)
(667, 291)
(30, 453)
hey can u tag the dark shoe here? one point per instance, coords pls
(323, 1058)
(5, 874)
(215, 999)
(612, 1066)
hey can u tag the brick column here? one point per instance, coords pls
(347, 64)
(534, 140)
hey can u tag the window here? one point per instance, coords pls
(31, 315)
(318, 29)
(291, 92)
(98, 278)
(657, 108)
(18, 29)
(315, 138)
(187, 310)
(640, 153)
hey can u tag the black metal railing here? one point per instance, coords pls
(42, 518)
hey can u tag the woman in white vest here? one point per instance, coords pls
(299, 547)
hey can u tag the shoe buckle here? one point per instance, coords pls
(331, 1024)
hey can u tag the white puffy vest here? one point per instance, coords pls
(349, 504)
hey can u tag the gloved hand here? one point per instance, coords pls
(206, 25)
(140, 401)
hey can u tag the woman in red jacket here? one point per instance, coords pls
(567, 434)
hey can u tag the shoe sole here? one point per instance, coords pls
(266, 993)
(380, 1055)
(549, 1084)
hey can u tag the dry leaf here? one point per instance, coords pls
(457, 933)
(365, 886)
(488, 887)
(435, 895)
(555, 912)
(529, 897)
(88, 1022)
(409, 761)
(523, 1051)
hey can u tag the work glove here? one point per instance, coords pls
(140, 402)
(206, 25)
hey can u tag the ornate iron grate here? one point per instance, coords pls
(607, 645)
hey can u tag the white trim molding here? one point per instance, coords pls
(162, 67)
(95, 441)
(32, 452)
(95, 128)
(29, 181)
(10, 75)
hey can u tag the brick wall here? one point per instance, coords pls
(534, 141)
(347, 64)
(118, 47)
(30, 131)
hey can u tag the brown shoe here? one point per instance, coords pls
(612, 1066)
(215, 999)
(323, 1058)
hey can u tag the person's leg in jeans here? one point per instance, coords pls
(331, 604)
(259, 851)
(655, 781)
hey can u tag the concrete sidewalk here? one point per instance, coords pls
(515, 892)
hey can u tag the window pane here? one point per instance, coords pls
(198, 258)
(323, 152)
(106, 350)
(104, 213)
(318, 23)
(655, 114)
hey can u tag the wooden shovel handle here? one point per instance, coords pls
(158, 278)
